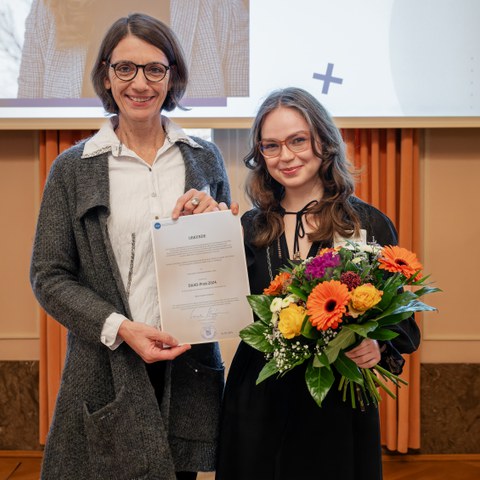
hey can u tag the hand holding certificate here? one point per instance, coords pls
(201, 276)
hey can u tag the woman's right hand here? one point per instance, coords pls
(366, 355)
(150, 344)
(196, 201)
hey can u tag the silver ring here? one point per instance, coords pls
(195, 201)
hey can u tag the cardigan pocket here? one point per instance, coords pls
(196, 394)
(114, 441)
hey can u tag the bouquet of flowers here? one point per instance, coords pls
(315, 310)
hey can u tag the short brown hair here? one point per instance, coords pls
(152, 31)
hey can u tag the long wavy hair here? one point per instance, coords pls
(334, 213)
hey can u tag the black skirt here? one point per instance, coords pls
(276, 431)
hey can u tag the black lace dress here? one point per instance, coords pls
(275, 430)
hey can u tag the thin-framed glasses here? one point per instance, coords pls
(127, 71)
(296, 143)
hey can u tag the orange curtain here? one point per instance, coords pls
(52, 334)
(388, 164)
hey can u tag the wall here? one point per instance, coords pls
(450, 380)
(451, 174)
(19, 194)
(450, 392)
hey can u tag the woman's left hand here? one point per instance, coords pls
(365, 355)
(195, 201)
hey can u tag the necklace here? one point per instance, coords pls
(299, 233)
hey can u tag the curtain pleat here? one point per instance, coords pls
(387, 162)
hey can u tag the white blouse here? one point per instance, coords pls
(139, 193)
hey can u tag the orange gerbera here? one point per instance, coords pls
(397, 259)
(323, 251)
(278, 284)
(327, 303)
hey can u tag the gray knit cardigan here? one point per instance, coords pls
(107, 424)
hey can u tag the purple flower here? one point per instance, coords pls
(317, 266)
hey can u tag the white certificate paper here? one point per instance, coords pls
(202, 276)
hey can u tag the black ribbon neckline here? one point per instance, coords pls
(299, 227)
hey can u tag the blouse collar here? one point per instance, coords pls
(106, 140)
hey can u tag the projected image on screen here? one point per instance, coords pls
(435, 64)
(62, 38)
(369, 59)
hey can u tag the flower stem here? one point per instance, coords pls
(382, 385)
(371, 385)
(385, 373)
(345, 387)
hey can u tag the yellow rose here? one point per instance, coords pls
(291, 320)
(363, 298)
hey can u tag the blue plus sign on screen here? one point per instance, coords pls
(327, 78)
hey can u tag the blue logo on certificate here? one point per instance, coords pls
(208, 332)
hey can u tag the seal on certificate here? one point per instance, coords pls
(208, 332)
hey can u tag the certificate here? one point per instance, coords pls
(202, 277)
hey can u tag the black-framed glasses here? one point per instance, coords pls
(296, 143)
(153, 71)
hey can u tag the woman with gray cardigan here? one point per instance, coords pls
(127, 408)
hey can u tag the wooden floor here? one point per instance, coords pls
(431, 467)
(26, 466)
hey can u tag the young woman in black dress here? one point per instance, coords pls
(301, 187)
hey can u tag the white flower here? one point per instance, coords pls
(362, 247)
(288, 300)
(370, 248)
(276, 305)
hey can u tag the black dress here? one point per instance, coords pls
(275, 430)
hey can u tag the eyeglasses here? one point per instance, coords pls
(126, 71)
(296, 143)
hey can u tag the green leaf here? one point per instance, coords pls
(254, 335)
(267, 371)
(319, 381)
(390, 290)
(402, 312)
(320, 361)
(261, 306)
(308, 330)
(362, 329)
(382, 334)
(403, 298)
(298, 292)
(401, 303)
(348, 368)
(394, 319)
(343, 340)
(426, 290)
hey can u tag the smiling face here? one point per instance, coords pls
(295, 171)
(138, 100)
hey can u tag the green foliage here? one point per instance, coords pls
(267, 371)
(324, 349)
(261, 306)
(319, 381)
(254, 335)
